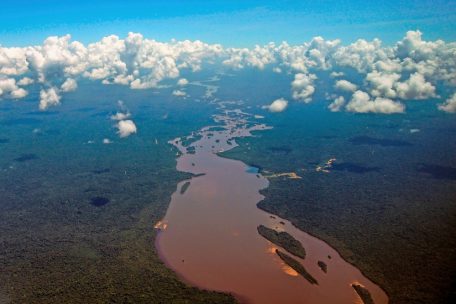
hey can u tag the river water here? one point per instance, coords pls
(209, 234)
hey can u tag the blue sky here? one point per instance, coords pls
(231, 23)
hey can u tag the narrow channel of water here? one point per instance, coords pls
(209, 234)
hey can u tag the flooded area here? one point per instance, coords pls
(210, 238)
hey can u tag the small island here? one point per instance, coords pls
(184, 187)
(363, 293)
(284, 240)
(297, 267)
(323, 266)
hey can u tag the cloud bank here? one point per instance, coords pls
(390, 75)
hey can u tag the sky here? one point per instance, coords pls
(231, 23)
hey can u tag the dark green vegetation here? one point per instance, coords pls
(323, 266)
(353, 168)
(184, 187)
(20, 121)
(199, 174)
(26, 157)
(438, 172)
(284, 240)
(187, 141)
(101, 171)
(363, 294)
(191, 150)
(367, 140)
(99, 201)
(297, 267)
(216, 129)
(397, 224)
(56, 247)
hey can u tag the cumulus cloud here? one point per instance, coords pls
(450, 105)
(336, 74)
(7, 85)
(416, 87)
(9, 89)
(278, 105)
(25, 81)
(13, 61)
(179, 93)
(383, 84)
(69, 85)
(345, 85)
(337, 104)
(19, 93)
(302, 87)
(414, 47)
(126, 128)
(362, 103)
(182, 82)
(360, 55)
(49, 97)
(258, 57)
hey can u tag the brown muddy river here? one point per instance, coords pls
(209, 235)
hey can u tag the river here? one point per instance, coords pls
(209, 234)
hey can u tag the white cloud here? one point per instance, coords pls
(415, 87)
(302, 87)
(25, 81)
(182, 82)
(337, 104)
(257, 57)
(345, 85)
(278, 105)
(362, 103)
(360, 55)
(120, 116)
(414, 47)
(410, 69)
(7, 86)
(179, 93)
(388, 65)
(450, 105)
(277, 70)
(49, 97)
(19, 93)
(126, 128)
(336, 74)
(135, 61)
(107, 141)
(383, 84)
(69, 85)
(9, 89)
(13, 61)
